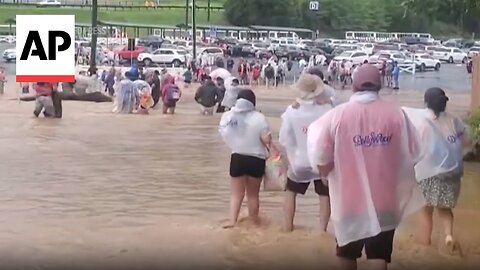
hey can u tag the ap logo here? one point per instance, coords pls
(45, 48)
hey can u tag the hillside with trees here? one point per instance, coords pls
(439, 17)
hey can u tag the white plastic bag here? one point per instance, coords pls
(275, 174)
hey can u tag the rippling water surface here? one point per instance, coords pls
(153, 190)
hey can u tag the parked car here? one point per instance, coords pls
(10, 55)
(385, 55)
(291, 52)
(7, 39)
(392, 55)
(305, 44)
(175, 57)
(152, 42)
(474, 51)
(251, 49)
(49, 3)
(324, 47)
(366, 47)
(426, 61)
(183, 43)
(126, 54)
(356, 57)
(211, 51)
(451, 55)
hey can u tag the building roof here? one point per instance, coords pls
(137, 25)
(279, 28)
(222, 27)
(83, 24)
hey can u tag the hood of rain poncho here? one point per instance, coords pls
(235, 120)
(242, 129)
(442, 143)
(242, 106)
(372, 184)
(126, 97)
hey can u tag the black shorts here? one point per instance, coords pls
(300, 188)
(187, 81)
(378, 247)
(242, 165)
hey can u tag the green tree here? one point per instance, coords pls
(337, 16)
(261, 12)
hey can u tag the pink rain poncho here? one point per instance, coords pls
(373, 147)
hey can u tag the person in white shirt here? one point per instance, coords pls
(320, 59)
(302, 64)
(246, 132)
(293, 138)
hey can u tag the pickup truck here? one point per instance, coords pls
(126, 54)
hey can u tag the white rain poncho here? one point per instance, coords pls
(125, 97)
(373, 148)
(442, 142)
(242, 128)
(293, 138)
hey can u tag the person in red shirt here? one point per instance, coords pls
(44, 99)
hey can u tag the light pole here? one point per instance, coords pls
(186, 13)
(194, 30)
(208, 11)
(93, 45)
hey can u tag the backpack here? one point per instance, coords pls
(289, 66)
(173, 93)
(269, 72)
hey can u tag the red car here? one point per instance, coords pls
(124, 53)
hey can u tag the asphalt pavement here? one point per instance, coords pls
(451, 77)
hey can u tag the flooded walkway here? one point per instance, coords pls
(132, 191)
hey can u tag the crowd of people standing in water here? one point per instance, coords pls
(371, 162)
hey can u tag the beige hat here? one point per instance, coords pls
(309, 87)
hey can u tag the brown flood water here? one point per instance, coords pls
(98, 189)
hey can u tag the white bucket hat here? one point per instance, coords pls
(309, 87)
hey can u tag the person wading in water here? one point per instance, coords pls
(367, 148)
(247, 133)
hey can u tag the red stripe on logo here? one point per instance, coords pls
(45, 78)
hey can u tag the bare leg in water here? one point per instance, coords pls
(253, 200)
(425, 225)
(446, 215)
(324, 212)
(289, 209)
(237, 193)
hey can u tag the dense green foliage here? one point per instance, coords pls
(336, 16)
(474, 122)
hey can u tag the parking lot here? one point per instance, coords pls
(451, 77)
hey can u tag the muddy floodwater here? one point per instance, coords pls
(134, 191)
